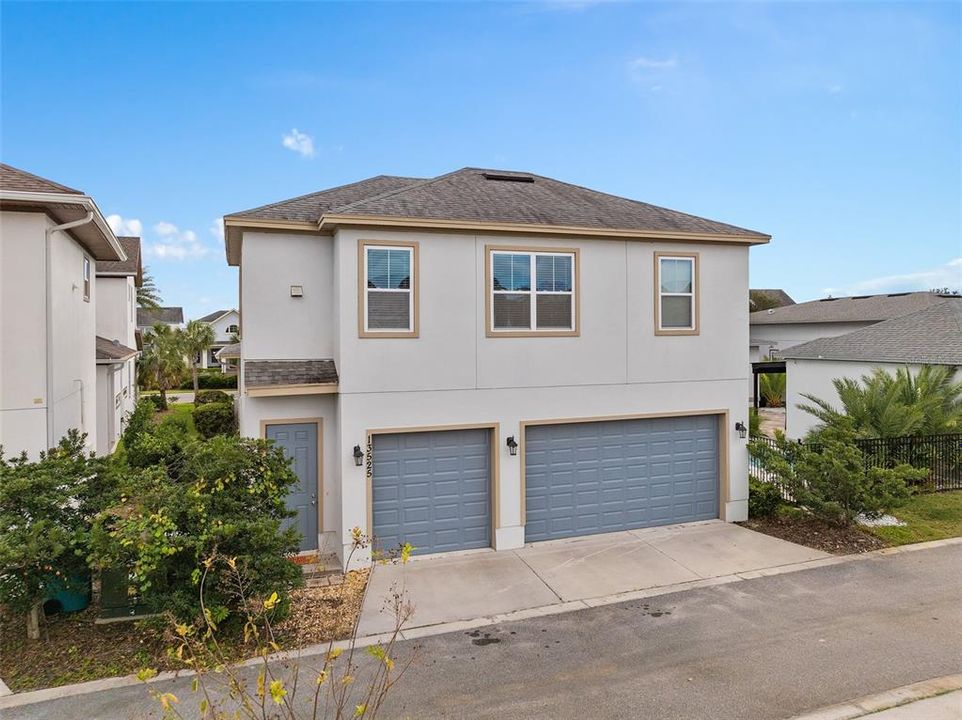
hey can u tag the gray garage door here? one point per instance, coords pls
(598, 477)
(432, 490)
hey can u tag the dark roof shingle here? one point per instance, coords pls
(12, 178)
(210, 317)
(860, 308)
(930, 336)
(169, 315)
(112, 350)
(264, 373)
(130, 266)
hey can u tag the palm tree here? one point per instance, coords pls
(885, 405)
(163, 358)
(771, 386)
(148, 296)
(197, 337)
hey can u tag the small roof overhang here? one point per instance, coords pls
(111, 352)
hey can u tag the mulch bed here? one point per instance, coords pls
(814, 533)
(73, 649)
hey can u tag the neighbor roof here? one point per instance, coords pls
(265, 373)
(216, 315)
(860, 308)
(229, 351)
(111, 350)
(479, 198)
(778, 295)
(168, 315)
(929, 336)
(25, 192)
(130, 266)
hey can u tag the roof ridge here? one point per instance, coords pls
(319, 192)
(390, 193)
(43, 179)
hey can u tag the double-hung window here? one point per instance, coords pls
(86, 267)
(676, 294)
(388, 279)
(532, 292)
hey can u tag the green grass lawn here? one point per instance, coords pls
(932, 516)
(182, 410)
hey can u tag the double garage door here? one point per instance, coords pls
(433, 489)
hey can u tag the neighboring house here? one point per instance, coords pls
(52, 240)
(776, 297)
(489, 358)
(172, 316)
(117, 283)
(932, 336)
(226, 325)
(229, 357)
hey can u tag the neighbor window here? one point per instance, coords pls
(232, 329)
(86, 278)
(532, 291)
(676, 289)
(389, 295)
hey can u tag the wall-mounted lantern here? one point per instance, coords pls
(741, 429)
(512, 445)
(358, 455)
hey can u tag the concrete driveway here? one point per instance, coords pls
(472, 585)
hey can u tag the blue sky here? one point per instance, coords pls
(834, 127)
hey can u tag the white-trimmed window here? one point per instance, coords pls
(677, 285)
(532, 291)
(389, 289)
(233, 329)
(86, 278)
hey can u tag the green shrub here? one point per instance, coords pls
(215, 419)
(227, 498)
(754, 423)
(764, 499)
(771, 388)
(212, 396)
(147, 442)
(158, 401)
(217, 381)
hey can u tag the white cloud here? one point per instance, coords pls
(299, 142)
(217, 228)
(125, 226)
(175, 244)
(835, 89)
(644, 63)
(948, 275)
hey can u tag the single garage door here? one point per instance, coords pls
(432, 490)
(596, 477)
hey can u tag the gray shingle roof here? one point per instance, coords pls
(310, 207)
(930, 336)
(229, 351)
(169, 315)
(860, 308)
(12, 178)
(776, 294)
(264, 373)
(210, 317)
(130, 266)
(494, 196)
(112, 350)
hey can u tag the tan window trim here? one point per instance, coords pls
(301, 389)
(489, 330)
(86, 278)
(696, 300)
(414, 246)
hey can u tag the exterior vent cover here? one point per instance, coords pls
(504, 177)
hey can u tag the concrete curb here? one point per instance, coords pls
(417, 632)
(4, 690)
(886, 700)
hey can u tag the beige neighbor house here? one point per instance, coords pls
(489, 358)
(53, 240)
(117, 283)
(931, 336)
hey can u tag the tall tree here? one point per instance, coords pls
(197, 338)
(148, 296)
(163, 357)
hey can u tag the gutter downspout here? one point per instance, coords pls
(49, 317)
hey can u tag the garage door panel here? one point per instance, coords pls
(585, 478)
(432, 490)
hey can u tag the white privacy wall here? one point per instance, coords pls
(785, 335)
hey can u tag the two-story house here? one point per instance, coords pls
(117, 283)
(171, 316)
(52, 239)
(490, 358)
(226, 326)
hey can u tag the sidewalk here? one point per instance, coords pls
(936, 699)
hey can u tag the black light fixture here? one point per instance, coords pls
(358, 455)
(512, 445)
(742, 430)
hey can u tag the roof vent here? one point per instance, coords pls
(899, 294)
(860, 297)
(503, 177)
(828, 299)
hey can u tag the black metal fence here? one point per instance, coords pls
(941, 455)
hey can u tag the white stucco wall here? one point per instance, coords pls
(814, 377)
(116, 309)
(785, 335)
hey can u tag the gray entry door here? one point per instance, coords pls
(596, 477)
(432, 490)
(299, 442)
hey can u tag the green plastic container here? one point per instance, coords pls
(69, 595)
